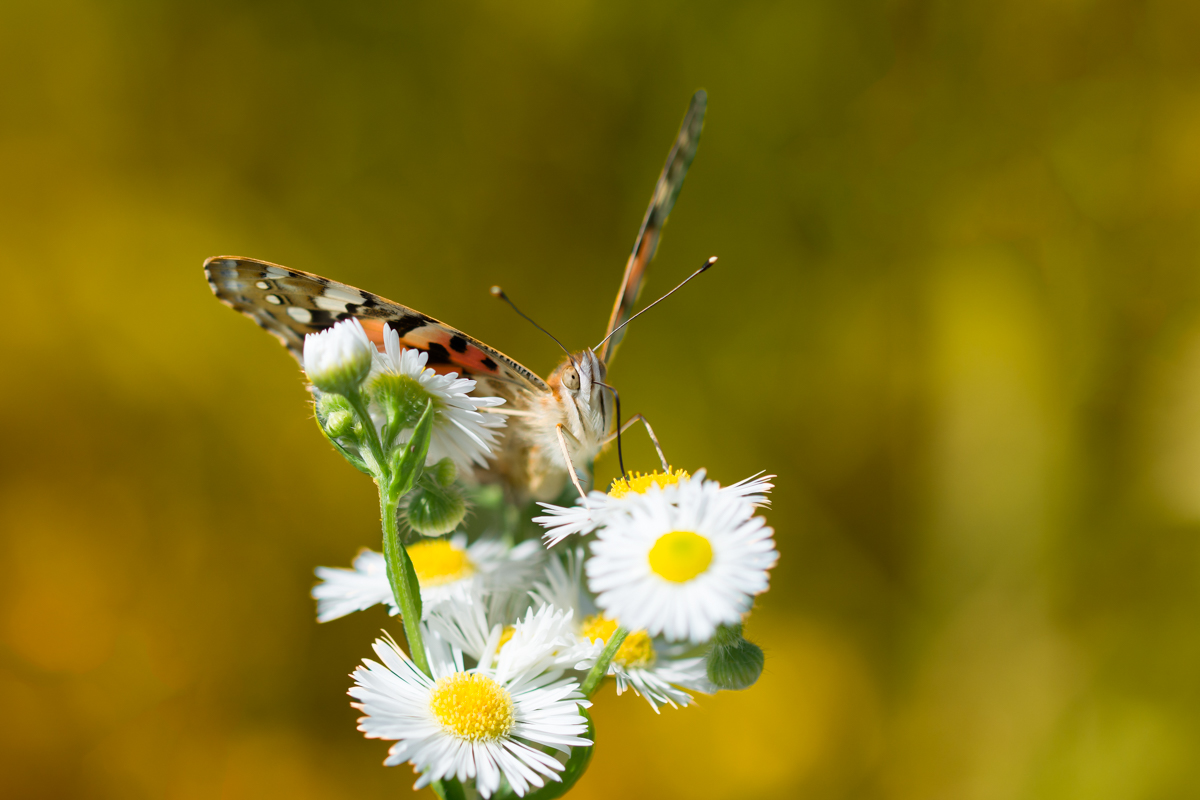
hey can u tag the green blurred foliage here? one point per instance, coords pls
(956, 311)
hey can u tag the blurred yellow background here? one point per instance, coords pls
(957, 311)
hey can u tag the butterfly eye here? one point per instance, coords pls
(570, 378)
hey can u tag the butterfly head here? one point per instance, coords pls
(578, 381)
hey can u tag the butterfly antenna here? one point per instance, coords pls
(707, 264)
(620, 455)
(498, 292)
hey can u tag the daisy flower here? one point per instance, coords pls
(446, 569)
(583, 518)
(655, 669)
(460, 431)
(338, 359)
(483, 723)
(681, 561)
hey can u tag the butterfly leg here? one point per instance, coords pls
(562, 444)
(649, 431)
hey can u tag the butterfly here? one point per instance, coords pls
(556, 424)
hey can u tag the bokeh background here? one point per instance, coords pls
(957, 311)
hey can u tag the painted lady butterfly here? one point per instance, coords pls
(566, 416)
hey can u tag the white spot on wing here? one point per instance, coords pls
(329, 304)
(263, 285)
(344, 294)
(276, 272)
(299, 314)
(274, 299)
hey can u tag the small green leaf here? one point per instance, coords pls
(407, 467)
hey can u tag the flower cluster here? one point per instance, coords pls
(370, 404)
(507, 636)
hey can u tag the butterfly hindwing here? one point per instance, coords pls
(666, 190)
(290, 304)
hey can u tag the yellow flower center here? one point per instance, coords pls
(436, 562)
(505, 635)
(638, 482)
(472, 707)
(637, 649)
(680, 556)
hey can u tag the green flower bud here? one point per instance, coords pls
(444, 472)
(433, 509)
(335, 415)
(733, 662)
(339, 423)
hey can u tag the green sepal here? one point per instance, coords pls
(408, 464)
(402, 398)
(577, 764)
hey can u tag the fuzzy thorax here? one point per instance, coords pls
(585, 409)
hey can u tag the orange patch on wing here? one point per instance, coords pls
(374, 329)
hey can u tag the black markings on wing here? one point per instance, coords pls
(670, 181)
(289, 304)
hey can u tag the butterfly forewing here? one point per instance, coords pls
(290, 304)
(670, 181)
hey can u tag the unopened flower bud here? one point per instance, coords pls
(444, 472)
(339, 423)
(338, 359)
(733, 662)
(434, 509)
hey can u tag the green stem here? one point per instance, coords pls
(359, 405)
(592, 682)
(403, 579)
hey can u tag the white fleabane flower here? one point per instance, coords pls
(482, 723)
(681, 561)
(338, 359)
(460, 431)
(446, 569)
(563, 521)
(657, 670)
